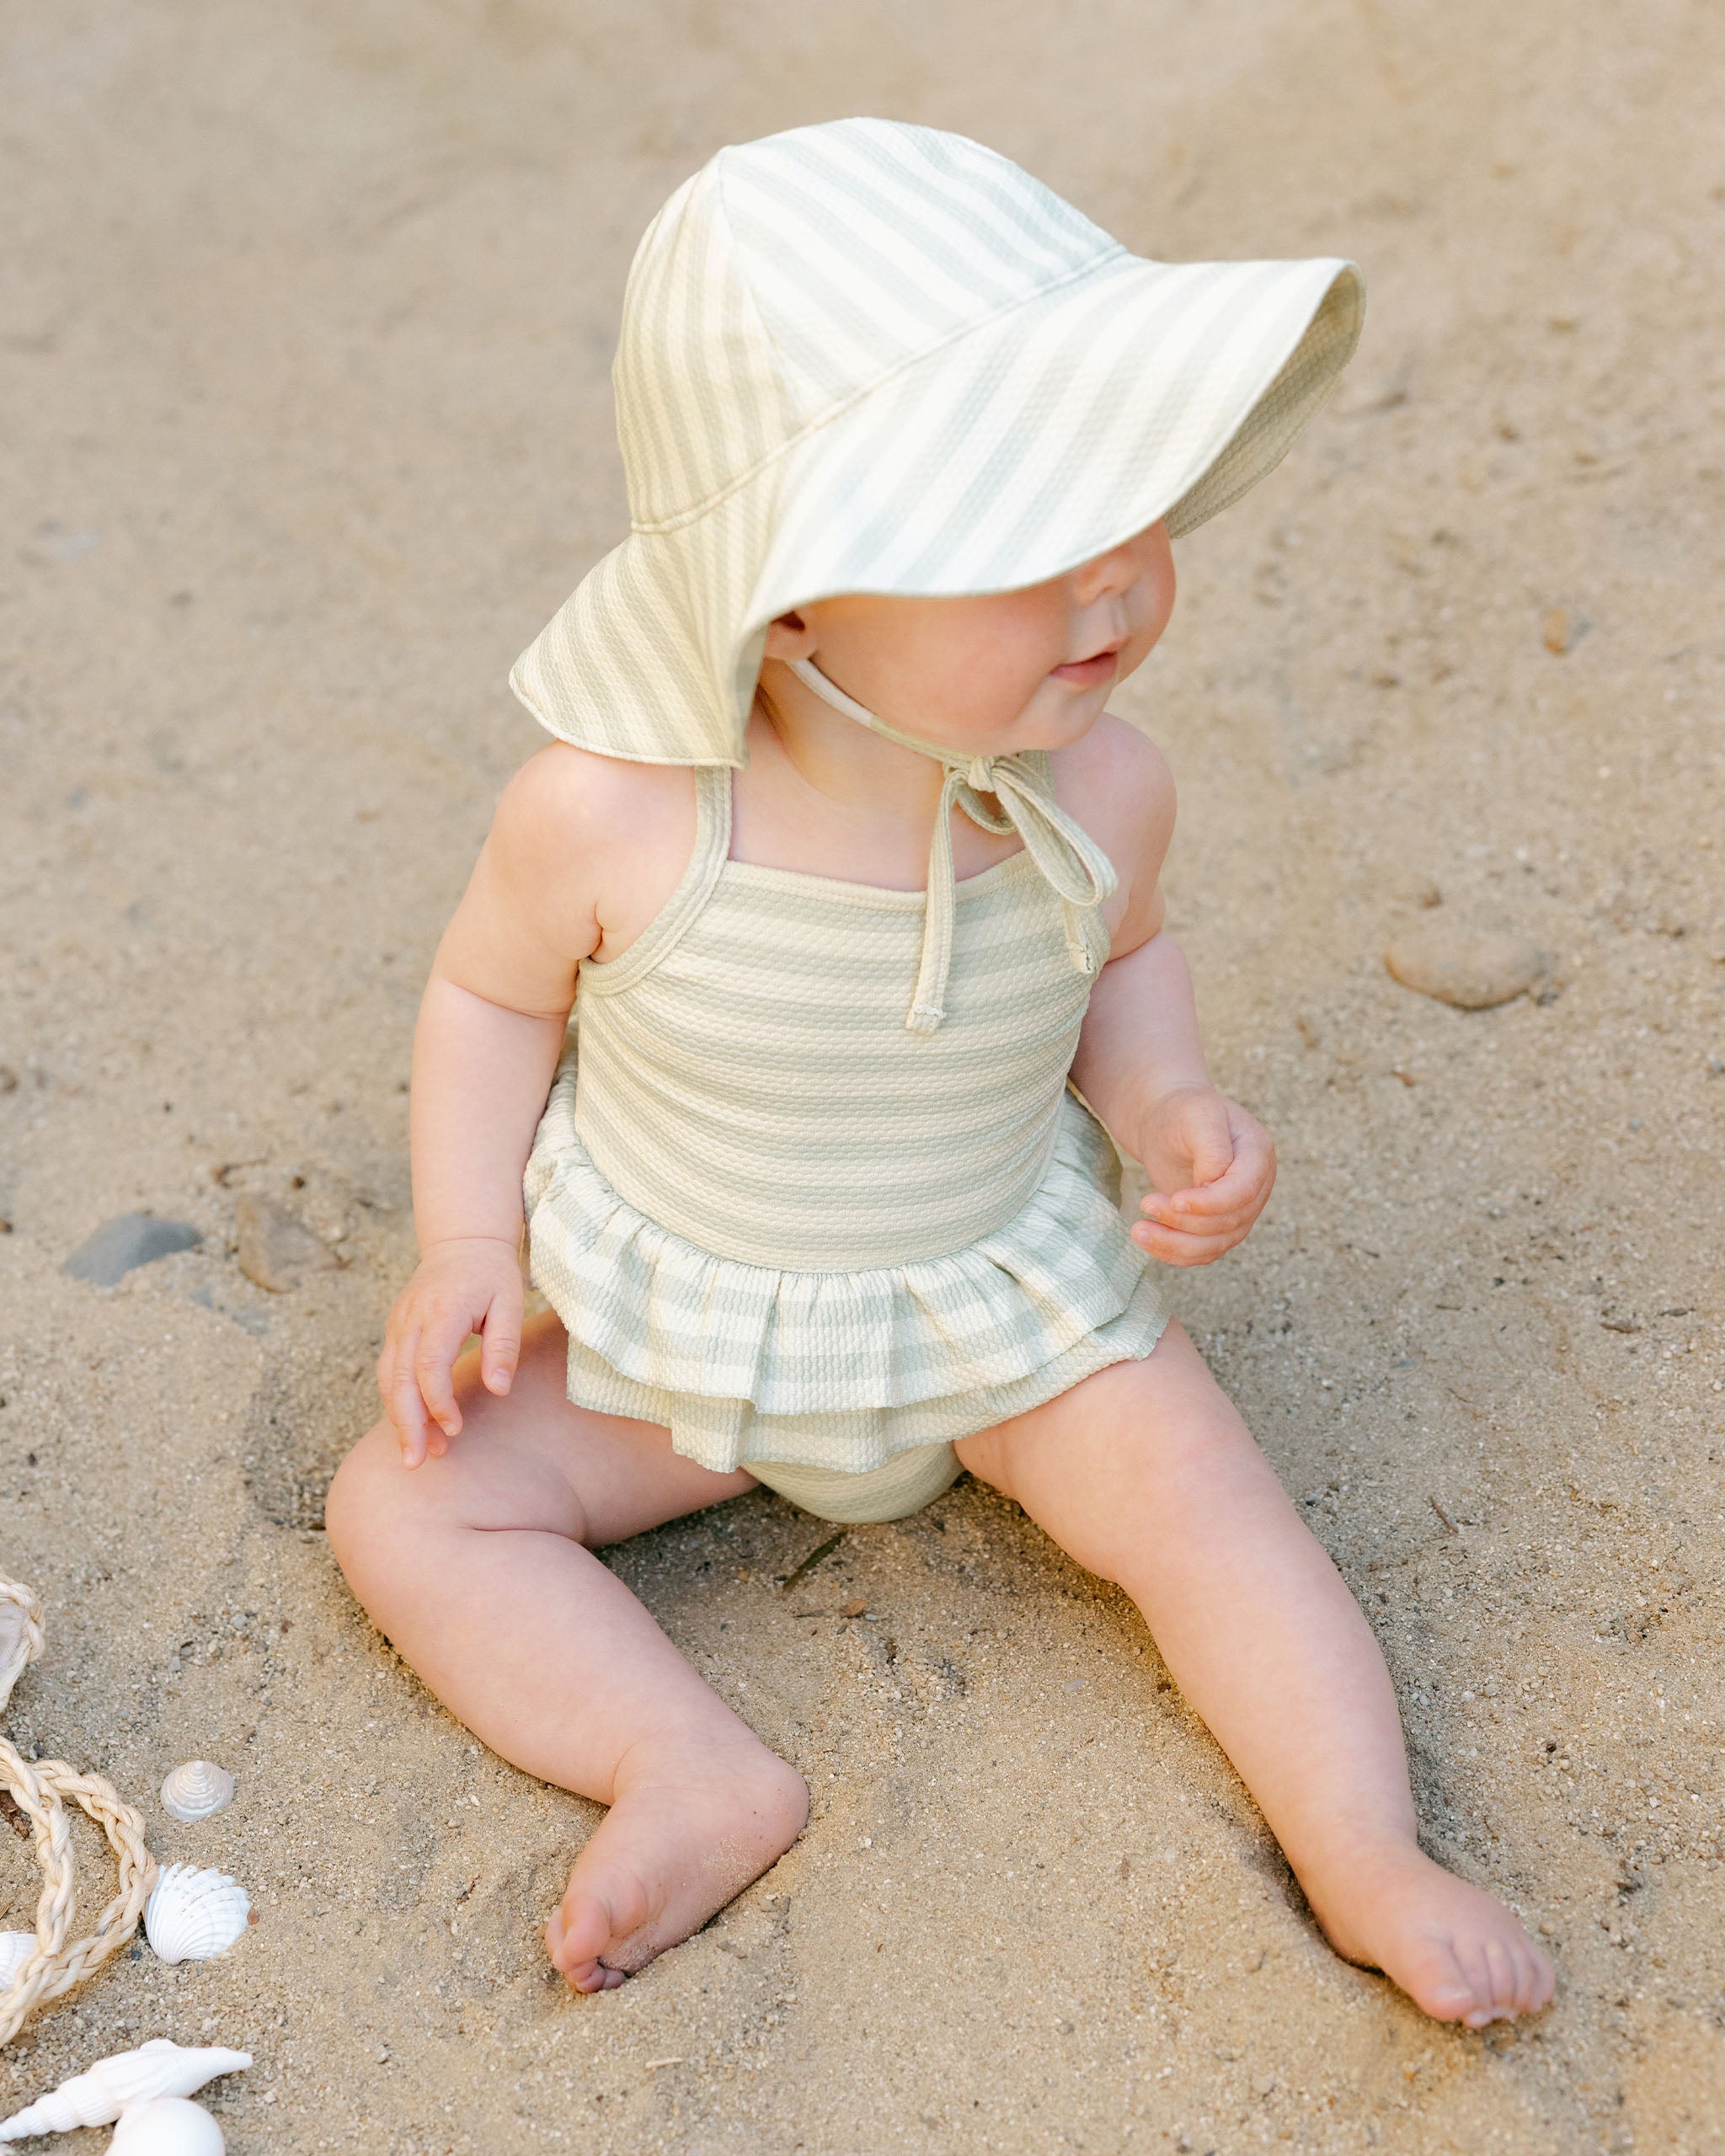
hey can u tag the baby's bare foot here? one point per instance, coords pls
(688, 1830)
(1454, 1948)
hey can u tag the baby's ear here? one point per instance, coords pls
(789, 637)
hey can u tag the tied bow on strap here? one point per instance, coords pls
(1068, 859)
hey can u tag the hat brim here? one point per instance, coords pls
(1033, 442)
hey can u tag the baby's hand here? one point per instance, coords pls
(1213, 1167)
(471, 1284)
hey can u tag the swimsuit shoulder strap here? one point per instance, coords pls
(711, 851)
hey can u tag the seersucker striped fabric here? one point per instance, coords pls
(868, 356)
(775, 1219)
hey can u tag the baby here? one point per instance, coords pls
(852, 884)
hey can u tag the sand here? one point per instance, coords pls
(303, 344)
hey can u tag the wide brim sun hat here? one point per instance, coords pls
(864, 356)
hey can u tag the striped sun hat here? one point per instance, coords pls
(869, 357)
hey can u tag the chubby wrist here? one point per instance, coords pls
(472, 1239)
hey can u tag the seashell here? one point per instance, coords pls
(16, 1948)
(194, 1916)
(12, 1624)
(166, 2126)
(158, 2068)
(198, 1789)
(14, 1644)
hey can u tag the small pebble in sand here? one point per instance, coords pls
(1564, 629)
(856, 1609)
(1472, 969)
(123, 1243)
(274, 1248)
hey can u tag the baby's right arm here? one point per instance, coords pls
(564, 860)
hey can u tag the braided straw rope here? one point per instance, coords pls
(42, 1787)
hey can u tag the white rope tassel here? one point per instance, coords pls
(1068, 858)
(42, 1787)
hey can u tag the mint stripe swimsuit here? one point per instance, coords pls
(810, 1237)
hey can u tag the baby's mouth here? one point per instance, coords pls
(1090, 673)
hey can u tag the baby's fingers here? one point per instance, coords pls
(1178, 1240)
(1242, 1189)
(1241, 1192)
(1180, 1247)
(501, 1349)
(1194, 1212)
(402, 1400)
(433, 1365)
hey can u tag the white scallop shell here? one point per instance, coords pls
(197, 1789)
(193, 1915)
(93, 2098)
(166, 2126)
(16, 1948)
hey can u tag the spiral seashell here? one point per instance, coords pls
(194, 1916)
(166, 2126)
(197, 1789)
(94, 2098)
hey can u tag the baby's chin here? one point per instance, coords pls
(1055, 717)
(1058, 715)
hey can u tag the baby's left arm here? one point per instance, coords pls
(1141, 1062)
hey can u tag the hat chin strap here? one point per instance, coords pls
(1070, 860)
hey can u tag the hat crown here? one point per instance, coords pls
(791, 274)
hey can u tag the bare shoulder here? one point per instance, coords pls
(1118, 785)
(566, 802)
(593, 845)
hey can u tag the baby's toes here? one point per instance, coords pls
(1487, 2007)
(1522, 1979)
(578, 1934)
(1527, 1977)
(1504, 1976)
(1439, 1982)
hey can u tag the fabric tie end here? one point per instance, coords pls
(924, 1019)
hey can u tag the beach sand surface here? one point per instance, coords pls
(304, 338)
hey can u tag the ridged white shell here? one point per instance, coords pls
(158, 2068)
(193, 1915)
(166, 2126)
(197, 1789)
(16, 1948)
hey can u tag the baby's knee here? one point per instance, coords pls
(363, 1499)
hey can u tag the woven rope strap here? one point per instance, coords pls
(43, 1788)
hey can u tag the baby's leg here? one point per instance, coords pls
(478, 1567)
(1145, 1475)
